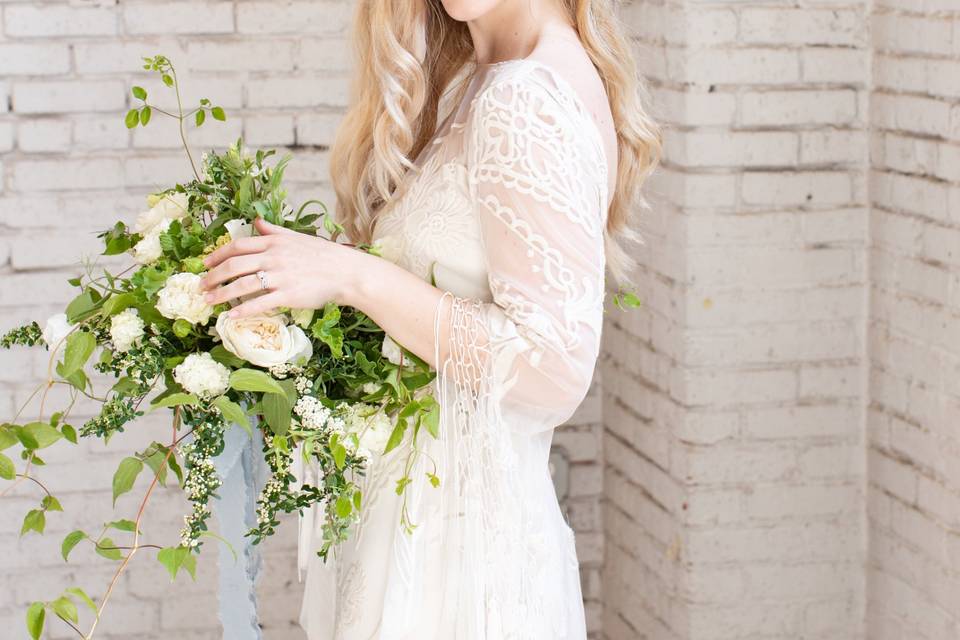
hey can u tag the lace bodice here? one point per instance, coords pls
(505, 212)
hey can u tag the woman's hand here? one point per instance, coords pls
(301, 271)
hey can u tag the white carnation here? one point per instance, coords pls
(200, 374)
(56, 330)
(182, 298)
(172, 206)
(265, 341)
(125, 329)
(148, 249)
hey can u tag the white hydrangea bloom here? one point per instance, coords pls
(125, 329)
(200, 374)
(182, 298)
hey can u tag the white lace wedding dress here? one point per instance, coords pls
(507, 214)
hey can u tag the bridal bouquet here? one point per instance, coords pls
(326, 384)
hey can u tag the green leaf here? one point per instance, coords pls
(80, 593)
(72, 540)
(69, 433)
(339, 455)
(167, 80)
(65, 608)
(224, 357)
(122, 525)
(175, 399)
(132, 119)
(80, 345)
(145, 116)
(431, 418)
(51, 504)
(7, 470)
(42, 433)
(434, 479)
(233, 413)
(35, 617)
(80, 307)
(277, 407)
(139, 93)
(396, 436)
(173, 558)
(117, 303)
(343, 507)
(125, 476)
(8, 436)
(182, 328)
(155, 457)
(218, 114)
(103, 548)
(26, 438)
(35, 520)
(200, 117)
(254, 380)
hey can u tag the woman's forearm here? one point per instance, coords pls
(402, 304)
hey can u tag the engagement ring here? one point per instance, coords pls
(263, 279)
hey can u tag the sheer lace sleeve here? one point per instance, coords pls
(536, 171)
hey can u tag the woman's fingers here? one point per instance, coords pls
(240, 287)
(260, 304)
(266, 228)
(233, 268)
(238, 247)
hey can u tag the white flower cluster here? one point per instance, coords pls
(200, 513)
(312, 413)
(164, 209)
(284, 369)
(302, 384)
(370, 425)
(182, 298)
(125, 329)
(273, 490)
(202, 480)
(200, 374)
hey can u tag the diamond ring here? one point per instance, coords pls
(262, 275)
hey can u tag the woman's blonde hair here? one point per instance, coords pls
(396, 101)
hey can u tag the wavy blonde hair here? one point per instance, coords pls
(396, 101)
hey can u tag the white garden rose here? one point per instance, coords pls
(238, 229)
(125, 329)
(201, 375)
(171, 206)
(265, 341)
(56, 330)
(182, 298)
(391, 350)
(148, 249)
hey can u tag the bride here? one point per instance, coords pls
(529, 144)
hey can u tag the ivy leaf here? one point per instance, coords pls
(35, 617)
(396, 436)
(132, 119)
(125, 476)
(122, 525)
(139, 93)
(72, 540)
(326, 330)
(7, 469)
(254, 380)
(105, 548)
(65, 608)
(35, 520)
(51, 504)
(218, 114)
(80, 593)
(175, 558)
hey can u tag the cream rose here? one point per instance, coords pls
(200, 374)
(238, 229)
(171, 206)
(391, 350)
(265, 341)
(182, 298)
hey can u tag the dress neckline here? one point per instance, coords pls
(581, 106)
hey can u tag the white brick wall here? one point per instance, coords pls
(789, 392)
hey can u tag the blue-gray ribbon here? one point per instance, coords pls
(243, 471)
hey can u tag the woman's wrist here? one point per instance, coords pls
(358, 277)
